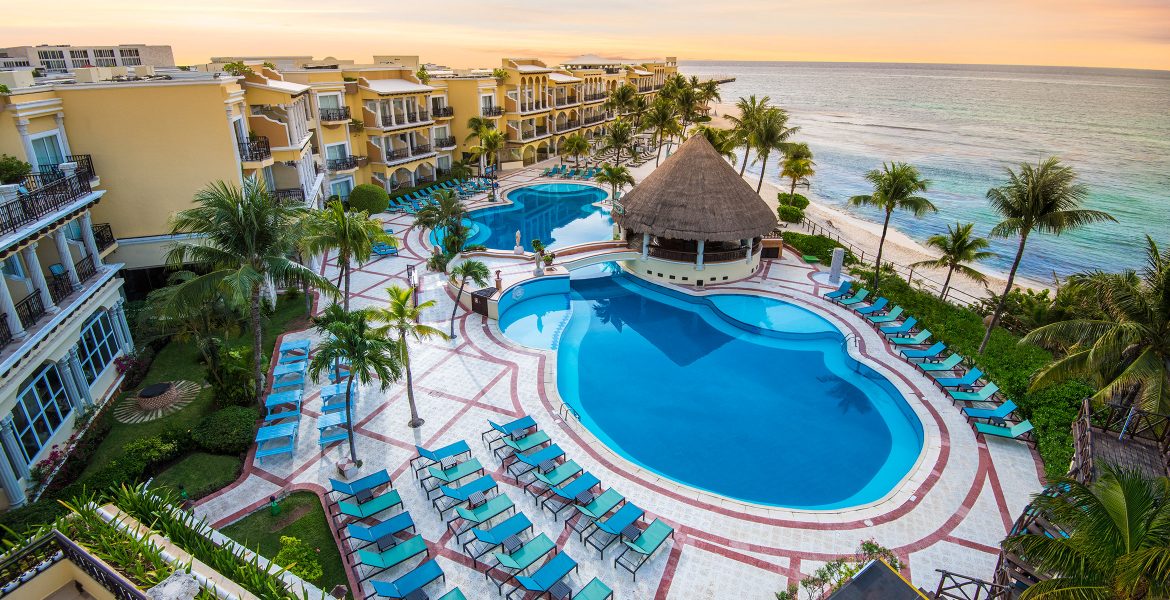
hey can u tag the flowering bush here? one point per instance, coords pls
(299, 558)
(44, 467)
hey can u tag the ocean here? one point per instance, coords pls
(962, 125)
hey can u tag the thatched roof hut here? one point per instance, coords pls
(696, 195)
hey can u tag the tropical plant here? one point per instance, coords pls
(769, 132)
(576, 146)
(895, 187)
(621, 99)
(446, 213)
(242, 245)
(1117, 544)
(798, 164)
(1045, 198)
(229, 430)
(686, 104)
(13, 170)
(500, 74)
(459, 170)
(474, 270)
(269, 65)
(4, 90)
(660, 119)
(620, 137)
(491, 141)
(789, 214)
(723, 140)
(742, 124)
(351, 234)
(403, 318)
(708, 91)
(616, 177)
(1125, 351)
(203, 323)
(237, 68)
(957, 248)
(368, 197)
(637, 108)
(349, 339)
(478, 125)
(299, 558)
(422, 75)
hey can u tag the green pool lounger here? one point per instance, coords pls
(517, 562)
(638, 551)
(857, 298)
(455, 594)
(526, 463)
(389, 499)
(967, 380)
(613, 526)
(524, 444)
(413, 581)
(981, 395)
(466, 468)
(595, 510)
(1019, 431)
(918, 338)
(498, 431)
(552, 571)
(926, 353)
(542, 482)
(490, 539)
(947, 364)
(467, 518)
(562, 497)
(450, 497)
(393, 556)
(905, 326)
(894, 314)
(999, 413)
(594, 590)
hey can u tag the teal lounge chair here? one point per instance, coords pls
(947, 364)
(526, 463)
(455, 594)
(860, 296)
(517, 562)
(904, 327)
(348, 489)
(411, 582)
(396, 524)
(967, 380)
(454, 496)
(918, 338)
(466, 468)
(998, 413)
(841, 290)
(638, 551)
(548, 574)
(925, 354)
(382, 249)
(367, 509)
(594, 590)
(877, 306)
(612, 527)
(467, 518)
(393, 556)
(490, 539)
(498, 431)
(894, 314)
(592, 512)
(426, 457)
(524, 444)
(982, 395)
(563, 497)
(1019, 431)
(543, 482)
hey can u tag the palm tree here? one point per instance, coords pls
(750, 110)
(770, 132)
(957, 247)
(478, 125)
(621, 99)
(351, 340)
(202, 321)
(242, 244)
(459, 170)
(723, 140)
(1118, 543)
(661, 120)
(491, 141)
(638, 107)
(686, 103)
(1044, 198)
(708, 91)
(352, 234)
(1126, 352)
(798, 164)
(402, 317)
(619, 137)
(446, 213)
(895, 187)
(576, 146)
(616, 177)
(474, 270)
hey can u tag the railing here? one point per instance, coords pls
(85, 269)
(594, 119)
(568, 125)
(47, 193)
(84, 165)
(59, 287)
(54, 547)
(397, 154)
(961, 587)
(423, 179)
(595, 97)
(567, 101)
(289, 195)
(255, 149)
(445, 142)
(417, 117)
(492, 111)
(30, 309)
(443, 111)
(5, 332)
(1125, 422)
(541, 130)
(420, 149)
(341, 164)
(103, 236)
(335, 114)
(717, 256)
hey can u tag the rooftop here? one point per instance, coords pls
(396, 86)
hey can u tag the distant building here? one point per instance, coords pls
(65, 58)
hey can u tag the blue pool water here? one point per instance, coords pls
(560, 214)
(748, 397)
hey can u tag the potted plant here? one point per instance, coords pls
(538, 254)
(548, 260)
(348, 467)
(13, 170)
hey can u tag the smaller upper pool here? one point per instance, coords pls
(559, 214)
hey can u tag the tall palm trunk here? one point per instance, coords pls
(947, 282)
(658, 157)
(746, 150)
(792, 190)
(1003, 298)
(349, 417)
(455, 309)
(345, 271)
(257, 342)
(415, 421)
(877, 270)
(763, 169)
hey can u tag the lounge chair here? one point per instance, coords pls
(449, 476)
(914, 340)
(498, 431)
(392, 526)
(517, 562)
(904, 327)
(455, 594)
(1019, 431)
(999, 413)
(967, 380)
(638, 551)
(382, 249)
(526, 463)
(407, 584)
(349, 489)
(612, 526)
(426, 457)
(594, 590)
(543, 482)
(454, 496)
(589, 514)
(982, 395)
(548, 574)
(563, 497)
(947, 364)
(468, 518)
(393, 556)
(490, 539)
(841, 290)
(894, 314)
(375, 505)
(524, 444)
(924, 354)
(857, 298)
(877, 306)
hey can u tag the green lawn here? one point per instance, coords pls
(200, 474)
(302, 517)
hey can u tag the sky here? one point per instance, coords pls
(467, 33)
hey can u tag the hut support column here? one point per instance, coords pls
(645, 246)
(748, 260)
(699, 255)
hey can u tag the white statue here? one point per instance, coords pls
(518, 250)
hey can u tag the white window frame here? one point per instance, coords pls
(57, 402)
(56, 131)
(338, 95)
(104, 348)
(342, 144)
(346, 179)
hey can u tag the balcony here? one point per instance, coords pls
(85, 269)
(59, 287)
(255, 150)
(30, 309)
(103, 235)
(568, 126)
(445, 142)
(398, 155)
(570, 101)
(345, 163)
(84, 166)
(594, 119)
(443, 112)
(43, 554)
(289, 196)
(492, 111)
(47, 193)
(335, 115)
(598, 97)
(421, 116)
(691, 256)
(421, 149)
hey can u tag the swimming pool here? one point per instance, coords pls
(560, 214)
(748, 397)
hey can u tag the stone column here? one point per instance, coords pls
(33, 265)
(87, 238)
(66, 256)
(69, 378)
(748, 259)
(79, 377)
(26, 142)
(9, 481)
(61, 131)
(12, 446)
(121, 322)
(836, 264)
(699, 255)
(645, 246)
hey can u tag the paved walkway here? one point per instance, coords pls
(950, 512)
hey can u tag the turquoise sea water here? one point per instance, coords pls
(962, 124)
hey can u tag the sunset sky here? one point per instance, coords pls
(461, 33)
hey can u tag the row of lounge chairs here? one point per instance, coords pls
(565, 172)
(415, 201)
(982, 403)
(382, 541)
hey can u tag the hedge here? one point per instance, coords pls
(790, 214)
(227, 430)
(370, 198)
(797, 200)
(818, 246)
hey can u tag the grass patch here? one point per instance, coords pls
(200, 474)
(818, 246)
(302, 517)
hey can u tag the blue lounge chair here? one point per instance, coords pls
(451, 497)
(394, 525)
(999, 413)
(639, 550)
(429, 457)
(414, 580)
(469, 518)
(877, 306)
(594, 510)
(548, 574)
(1019, 431)
(499, 431)
(364, 510)
(517, 561)
(948, 364)
(393, 556)
(289, 375)
(841, 290)
(382, 249)
(612, 527)
(543, 482)
(904, 327)
(449, 476)
(924, 354)
(525, 463)
(857, 298)
(967, 380)
(913, 340)
(563, 497)
(894, 314)
(348, 489)
(982, 395)
(490, 539)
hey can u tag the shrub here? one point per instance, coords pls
(146, 453)
(370, 198)
(15, 524)
(134, 367)
(298, 557)
(818, 246)
(797, 200)
(234, 386)
(13, 170)
(790, 214)
(227, 430)
(83, 451)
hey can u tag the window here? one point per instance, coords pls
(329, 101)
(269, 178)
(12, 267)
(97, 347)
(52, 60)
(47, 149)
(105, 58)
(41, 407)
(130, 56)
(79, 58)
(444, 163)
(336, 151)
(341, 188)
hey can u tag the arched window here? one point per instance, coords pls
(41, 407)
(97, 347)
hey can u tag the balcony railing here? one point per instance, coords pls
(445, 142)
(594, 119)
(255, 149)
(424, 179)
(85, 269)
(541, 130)
(54, 547)
(398, 154)
(344, 163)
(47, 193)
(595, 97)
(59, 287)
(567, 101)
(420, 149)
(289, 196)
(492, 111)
(30, 309)
(688, 256)
(103, 236)
(444, 111)
(417, 117)
(335, 114)
(568, 125)
(84, 166)
(5, 332)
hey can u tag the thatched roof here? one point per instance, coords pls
(696, 195)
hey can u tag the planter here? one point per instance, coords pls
(28, 575)
(10, 587)
(44, 565)
(347, 468)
